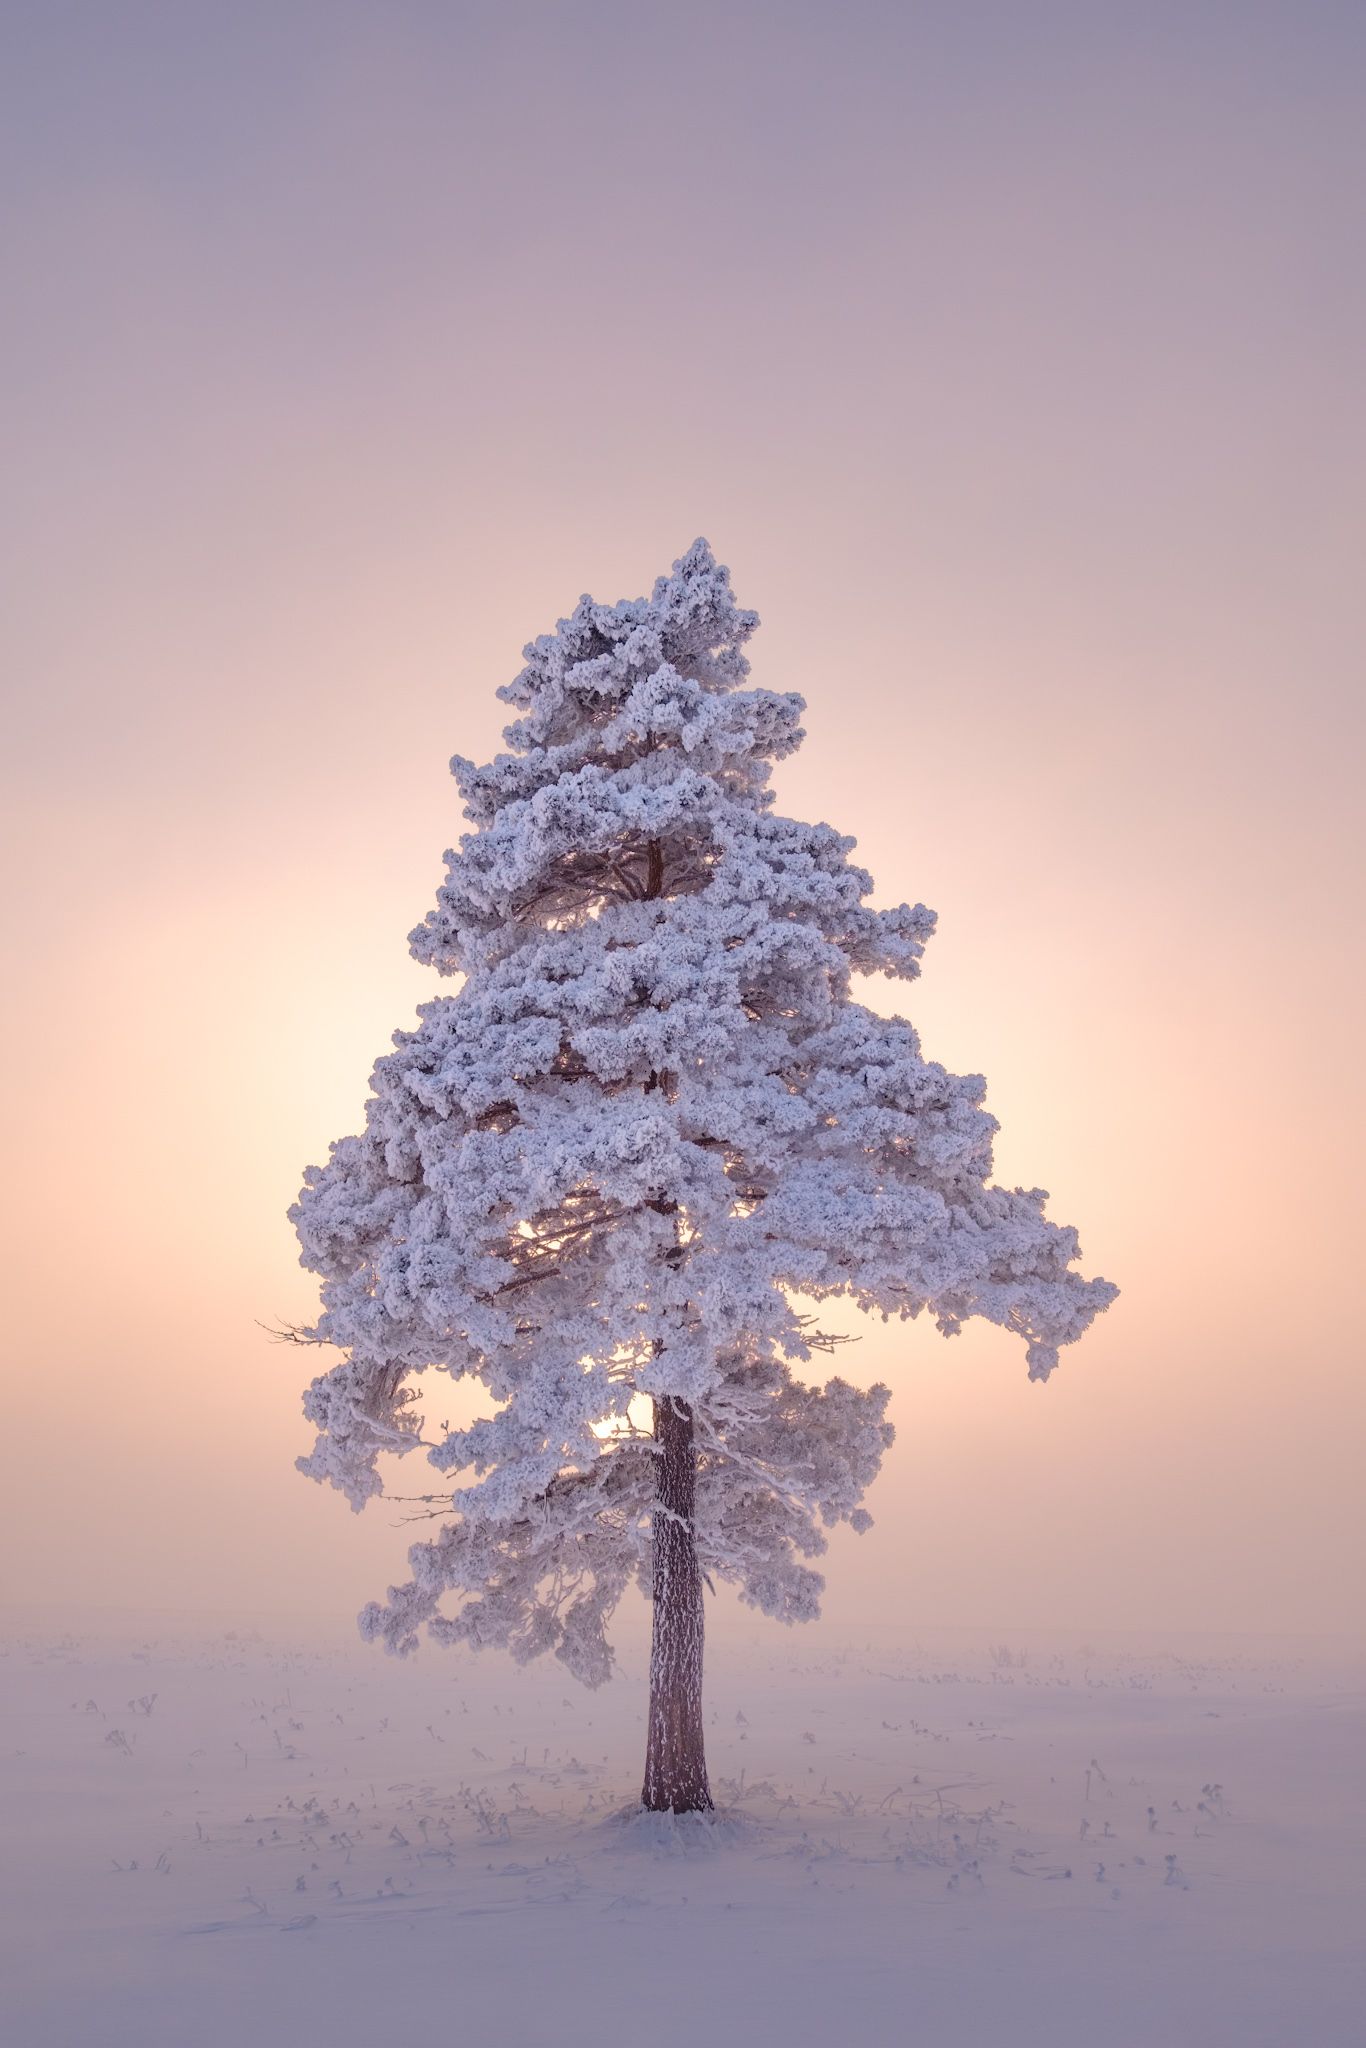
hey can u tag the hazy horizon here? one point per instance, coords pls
(1013, 367)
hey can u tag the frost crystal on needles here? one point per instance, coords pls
(651, 1114)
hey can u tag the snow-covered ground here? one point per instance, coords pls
(229, 1841)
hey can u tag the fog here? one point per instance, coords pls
(1011, 360)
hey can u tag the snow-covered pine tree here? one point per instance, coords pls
(600, 1177)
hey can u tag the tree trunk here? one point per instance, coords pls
(675, 1767)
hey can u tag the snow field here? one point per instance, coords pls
(228, 1840)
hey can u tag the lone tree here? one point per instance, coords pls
(601, 1176)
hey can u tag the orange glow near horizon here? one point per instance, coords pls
(1047, 514)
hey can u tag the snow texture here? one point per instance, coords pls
(942, 1841)
(650, 1119)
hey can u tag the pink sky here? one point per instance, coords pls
(1011, 359)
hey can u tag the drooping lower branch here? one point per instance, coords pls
(675, 1763)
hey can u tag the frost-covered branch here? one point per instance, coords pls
(651, 1118)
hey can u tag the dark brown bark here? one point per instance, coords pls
(675, 1763)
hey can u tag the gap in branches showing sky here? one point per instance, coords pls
(1010, 357)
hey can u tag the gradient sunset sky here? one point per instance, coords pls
(1011, 357)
